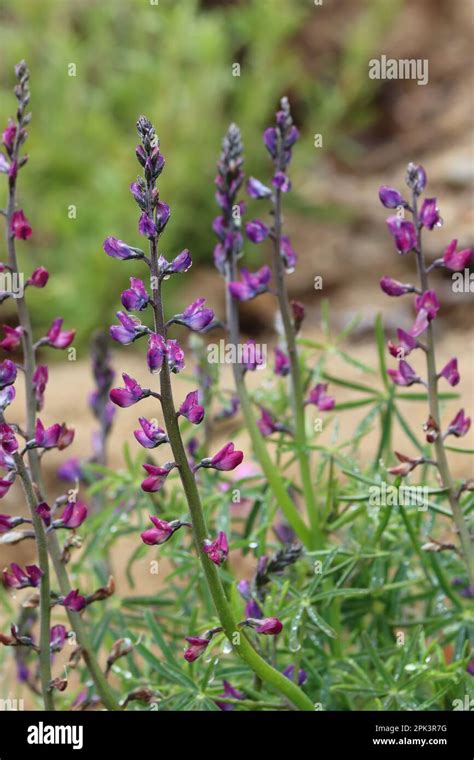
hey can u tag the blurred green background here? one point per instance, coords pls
(172, 61)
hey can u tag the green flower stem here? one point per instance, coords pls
(295, 375)
(200, 533)
(52, 544)
(45, 591)
(433, 401)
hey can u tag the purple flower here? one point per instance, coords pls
(195, 316)
(257, 231)
(289, 673)
(429, 214)
(404, 375)
(12, 339)
(150, 436)
(252, 284)
(252, 355)
(227, 458)
(162, 531)
(73, 516)
(40, 379)
(191, 409)
(406, 345)
(270, 138)
(129, 329)
(175, 356)
(74, 601)
(57, 338)
(135, 298)
(282, 363)
(156, 352)
(198, 645)
(403, 232)
(428, 302)
(181, 263)
(450, 372)
(7, 522)
(57, 637)
(257, 189)
(20, 227)
(70, 470)
(281, 182)
(287, 253)
(319, 398)
(156, 476)
(267, 424)
(394, 288)
(391, 198)
(38, 278)
(253, 610)
(456, 260)
(8, 136)
(271, 626)
(8, 442)
(19, 578)
(163, 213)
(298, 312)
(460, 425)
(470, 667)
(117, 249)
(7, 395)
(129, 395)
(7, 373)
(218, 549)
(229, 693)
(44, 511)
(146, 226)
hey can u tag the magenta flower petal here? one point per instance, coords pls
(403, 232)
(20, 227)
(455, 260)
(450, 372)
(217, 550)
(429, 214)
(391, 198)
(257, 231)
(131, 394)
(191, 409)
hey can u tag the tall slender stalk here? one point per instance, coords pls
(33, 481)
(433, 401)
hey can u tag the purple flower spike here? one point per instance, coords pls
(150, 436)
(74, 601)
(217, 550)
(73, 516)
(156, 352)
(197, 646)
(8, 442)
(403, 232)
(282, 363)
(162, 531)
(7, 373)
(226, 459)
(131, 394)
(135, 298)
(429, 214)
(394, 288)
(460, 425)
(391, 198)
(281, 182)
(129, 329)
(196, 316)
(146, 226)
(156, 476)
(251, 285)
(117, 249)
(19, 578)
(455, 260)
(319, 397)
(257, 231)
(191, 409)
(450, 372)
(404, 375)
(257, 189)
(57, 338)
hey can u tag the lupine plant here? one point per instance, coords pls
(275, 580)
